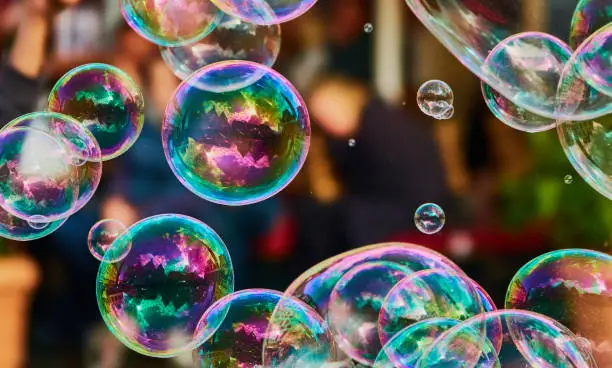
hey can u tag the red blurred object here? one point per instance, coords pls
(279, 242)
(481, 241)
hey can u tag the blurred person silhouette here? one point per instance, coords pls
(376, 166)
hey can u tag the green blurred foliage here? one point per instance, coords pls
(576, 214)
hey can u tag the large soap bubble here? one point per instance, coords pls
(14, 228)
(315, 285)
(355, 303)
(265, 11)
(262, 328)
(507, 338)
(171, 22)
(78, 142)
(589, 16)
(574, 287)
(153, 299)
(106, 101)
(236, 133)
(232, 39)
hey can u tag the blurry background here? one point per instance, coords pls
(503, 191)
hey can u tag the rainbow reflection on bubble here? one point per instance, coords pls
(14, 228)
(424, 295)
(101, 235)
(236, 133)
(506, 338)
(232, 39)
(354, 306)
(572, 286)
(106, 101)
(171, 22)
(429, 218)
(266, 11)
(153, 299)
(259, 327)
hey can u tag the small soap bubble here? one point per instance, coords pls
(352, 142)
(101, 235)
(568, 179)
(38, 222)
(435, 98)
(368, 27)
(429, 218)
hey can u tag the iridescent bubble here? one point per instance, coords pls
(316, 284)
(368, 28)
(587, 146)
(82, 149)
(153, 299)
(574, 287)
(435, 98)
(595, 62)
(568, 179)
(506, 338)
(106, 101)
(101, 235)
(232, 39)
(265, 11)
(36, 177)
(241, 330)
(236, 133)
(355, 303)
(427, 294)
(14, 228)
(171, 23)
(589, 16)
(449, 113)
(429, 218)
(531, 65)
(407, 346)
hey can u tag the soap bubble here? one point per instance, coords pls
(266, 11)
(38, 222)
(232, 39)
(506, 338)
(429, 218)
(82, 149)
(246, 327)
(101, 235)
(572, 286)
(587, 146)
(593, 58)
(449, 113)
(36, 176)
(427, 294)
(435, 98)
(106, 101)
(153, 299)
(407, 346)
(171, 23)
(236, 133)
(316, 284)
(14, 228)
(568, 179)
(531, 64)
(589, 16)
(352, 142)
(355, 303)
(368, 28)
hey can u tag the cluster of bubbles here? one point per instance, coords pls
(531, 80)
(385, 305)
(51, 161)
